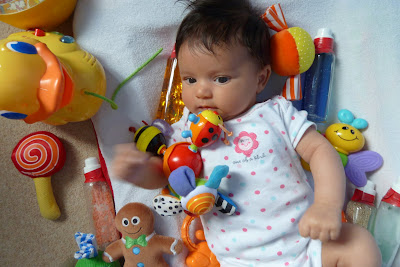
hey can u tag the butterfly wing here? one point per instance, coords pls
(361, 162)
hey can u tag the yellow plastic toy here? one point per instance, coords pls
(30, 14)
(48, 77)
(348, 141)
(345, 138)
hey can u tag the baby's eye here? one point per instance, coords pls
(222, 79)
(190, 80)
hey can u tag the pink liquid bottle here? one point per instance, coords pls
(101, 203)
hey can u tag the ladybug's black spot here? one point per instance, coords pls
(204, 140)
(211, 130)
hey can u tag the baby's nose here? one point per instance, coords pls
(203, 90)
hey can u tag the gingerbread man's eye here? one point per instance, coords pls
(125, 222)
(135, 220)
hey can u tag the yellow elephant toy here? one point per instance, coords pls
(47, 77)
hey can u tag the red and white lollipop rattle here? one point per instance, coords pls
(39, 155)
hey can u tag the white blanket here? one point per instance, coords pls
(123, 34)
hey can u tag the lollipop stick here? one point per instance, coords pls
(45, 197)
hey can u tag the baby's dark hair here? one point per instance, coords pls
(212, 23)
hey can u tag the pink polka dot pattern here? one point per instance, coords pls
(266, 186)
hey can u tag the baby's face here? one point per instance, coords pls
(226, 81)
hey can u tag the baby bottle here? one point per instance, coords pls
(318, 78)
(361, 209)
(386, 228)
(101, 204)
(171, 105)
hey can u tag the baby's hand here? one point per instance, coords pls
(321, 222)
(131, 165)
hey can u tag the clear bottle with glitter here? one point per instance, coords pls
(361, 209)
(386, 227)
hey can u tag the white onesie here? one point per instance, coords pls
(267, 183)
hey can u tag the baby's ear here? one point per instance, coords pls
(263, 77)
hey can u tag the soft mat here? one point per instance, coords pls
(123, 34)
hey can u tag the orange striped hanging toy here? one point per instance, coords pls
(292, 51)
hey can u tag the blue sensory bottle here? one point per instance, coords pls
(318, 79)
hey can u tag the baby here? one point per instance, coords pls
(222, 50)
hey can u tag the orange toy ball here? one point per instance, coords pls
(178, 155)
(292, 51)
(30, 14)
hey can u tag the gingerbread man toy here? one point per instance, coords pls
(140, 245)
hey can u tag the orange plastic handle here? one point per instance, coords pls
(51, 91)
(200, 254)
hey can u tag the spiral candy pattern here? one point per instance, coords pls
(39, 154)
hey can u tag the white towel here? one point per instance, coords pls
(123, 34)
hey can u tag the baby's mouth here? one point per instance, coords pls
(206, 108)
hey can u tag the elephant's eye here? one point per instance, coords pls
(12, 115)
(21, 47)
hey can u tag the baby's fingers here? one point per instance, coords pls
(304, 228)
(335, 232)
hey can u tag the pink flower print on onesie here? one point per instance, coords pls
(245, 143)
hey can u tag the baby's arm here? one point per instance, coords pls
(134, 166)
(323, 219)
